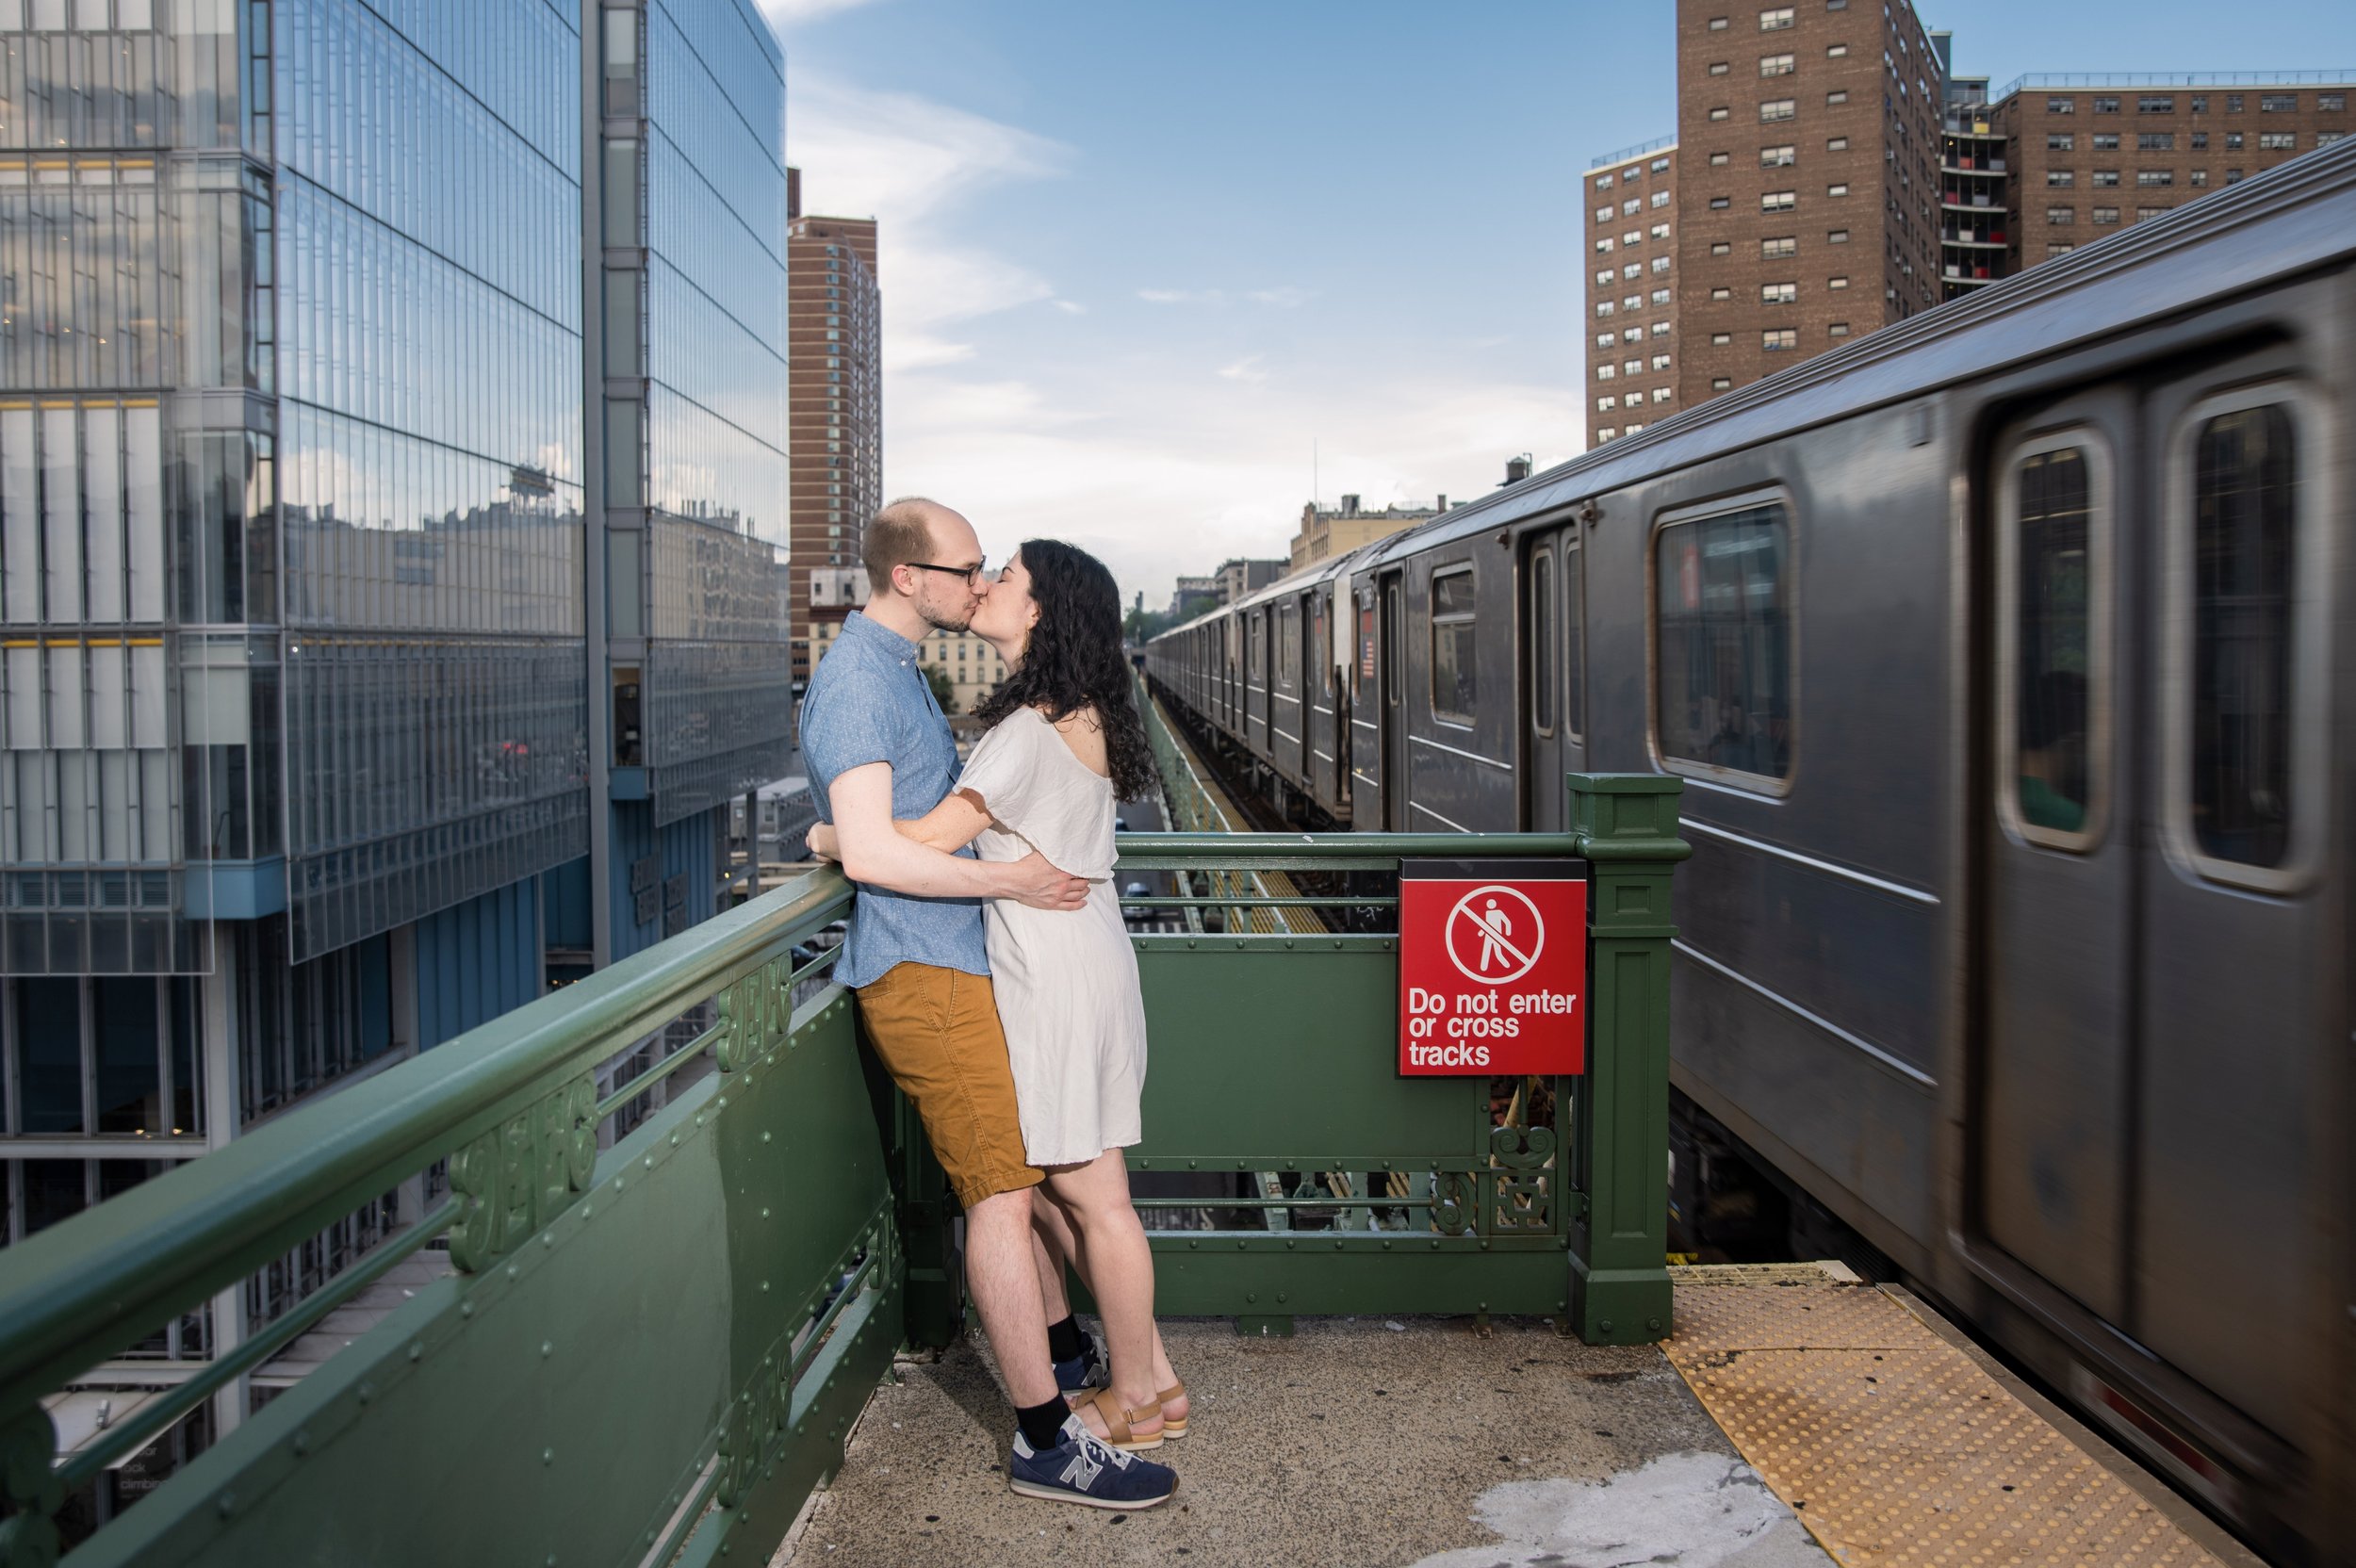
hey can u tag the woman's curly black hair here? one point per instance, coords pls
(1074, 662)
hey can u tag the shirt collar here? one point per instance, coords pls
(858, 623)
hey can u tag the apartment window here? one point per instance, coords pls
(1603, 277)
(1774, 21)
(1661, 394)
(1778, 339)
(1719, 247)
(1633, 236)
(1661, 329)
(1603, 307)
(1837, 237)
(1634, 366)
(1778, 109)
(1660, 231)
(2106, 141)
(2277, 142)
(2061, 105)
(2061, 179)
(2105, 215)
(2151, 212)
(2199, 178)
(2155, 103)
(1778, 157)
(1606, 433)
(1606, 372)
(1717, 23)
(1721, 293)
(2233, 177)
(1630, 335)
(1718, 204)
(1661, 296)
(1721, 339)
(2106, 178)
(1603, 213)
(1721, 384)
(1719, 160)
(1452, 661)
(1632, 429)
(1606, 404)
(1834, 99)
(1722, 642)
(2106, 105)
(1603, 182)
(2325, 138)
(1720, 68)
(2156, 141)
(1721, 112)
(1837, 144)
(2151, 178)
(1837, 51)
(1776, 65)
(2061, 142)
(1660, 166)
(1836, 282)
(1839, 329)
(1778, 201)
(1604, 246)
(2232, 141)
(2058, 247)
(2277, 102)
(1629, 207)
(1604, 340)
(2331, 103)
(2199, 103)
(1660, 263)
(1778, 293)
(1660, 198)
(1661, 362)
(2232, 102)
(1783, 245)
(1631, 301)
(1837, 189)
(2200, 141)
(2060, 218)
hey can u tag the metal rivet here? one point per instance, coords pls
(367, 1392)
(416, 1351)
(617, 1184)
(675, 1141)
(547, 1348)
(1653, 1323)
(764, 1214)
(547, 1456)
(764, 1137)
(302, 1443)
(585, 1211)
(1251, 1297)
(514, 1271)
(548, 1240)
(765, 1285)
(1604, 1326)
(228, 1504)
(1282, 1297)
(465, 1309)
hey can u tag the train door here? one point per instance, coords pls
(1396, 785)
(1553, 673)
(2156, 899)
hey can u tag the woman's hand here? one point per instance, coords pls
(821, 843)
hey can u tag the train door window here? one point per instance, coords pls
(1394, 643)
(2052, 640)
(2244, 651)
(1543, 663)
(1287, 645)
(1575, 640)
(1320, 649)
(1722, 644)
(1256, 668)
(1452, 653)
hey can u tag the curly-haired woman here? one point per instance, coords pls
(1064, 744)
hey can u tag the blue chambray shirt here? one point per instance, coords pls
(868, 702)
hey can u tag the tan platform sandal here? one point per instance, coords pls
(1118, 1418)
(1173, 1426)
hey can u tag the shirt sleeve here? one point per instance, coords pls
(1004, 771)
(840, 732)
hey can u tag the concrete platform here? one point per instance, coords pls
(1359, 1442)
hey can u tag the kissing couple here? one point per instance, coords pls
(994, 973)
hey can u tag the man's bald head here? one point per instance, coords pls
(907, 530)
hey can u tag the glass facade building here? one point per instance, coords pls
(348, 348)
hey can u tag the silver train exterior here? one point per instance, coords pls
(2009, 657)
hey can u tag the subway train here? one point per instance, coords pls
(2008, 656)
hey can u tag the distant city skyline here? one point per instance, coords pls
(1145, 258)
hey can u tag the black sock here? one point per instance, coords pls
(1065, 1340)
(1042, 1424)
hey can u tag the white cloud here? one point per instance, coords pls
(1071, 307)
(1181, 296)
(1246, 369)
(1286, 298)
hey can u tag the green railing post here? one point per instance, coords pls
(1626, 826)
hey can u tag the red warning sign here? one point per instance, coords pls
(1492, 967)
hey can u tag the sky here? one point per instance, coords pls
(1153, 270)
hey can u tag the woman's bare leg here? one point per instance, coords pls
(1118, 1265)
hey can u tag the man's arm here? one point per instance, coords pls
(949, 827)
(873, 850)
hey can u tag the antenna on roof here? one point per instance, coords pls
(1313, 473)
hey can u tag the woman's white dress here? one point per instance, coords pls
(1065, 984)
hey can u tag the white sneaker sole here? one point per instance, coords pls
(1062, 1495)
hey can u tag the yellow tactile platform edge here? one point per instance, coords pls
(1891, 1445)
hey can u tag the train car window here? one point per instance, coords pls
(1393, 646)
(1575, 640)
(2245, 497)
(1722, 644)
(1543, 661)
(1255, 668)
(1287, 645)
(2054, 638)
(1452, 655)
(1320, 649)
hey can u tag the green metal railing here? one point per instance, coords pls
(648, 1344)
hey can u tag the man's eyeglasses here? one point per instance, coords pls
(974, 575)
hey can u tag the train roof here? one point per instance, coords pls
(2296, 217)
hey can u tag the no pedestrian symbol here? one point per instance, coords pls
(1492, 965)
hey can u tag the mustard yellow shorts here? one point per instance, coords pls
(936, 1031)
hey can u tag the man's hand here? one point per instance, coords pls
(1033, 881)
(821, 843)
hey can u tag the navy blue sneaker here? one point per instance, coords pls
(1082, 1372)
(1083, 1468)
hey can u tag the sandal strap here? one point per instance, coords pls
(1117, 1416)
(1175, 1391)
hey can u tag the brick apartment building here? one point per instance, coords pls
(1632, 223)
(835, 366)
